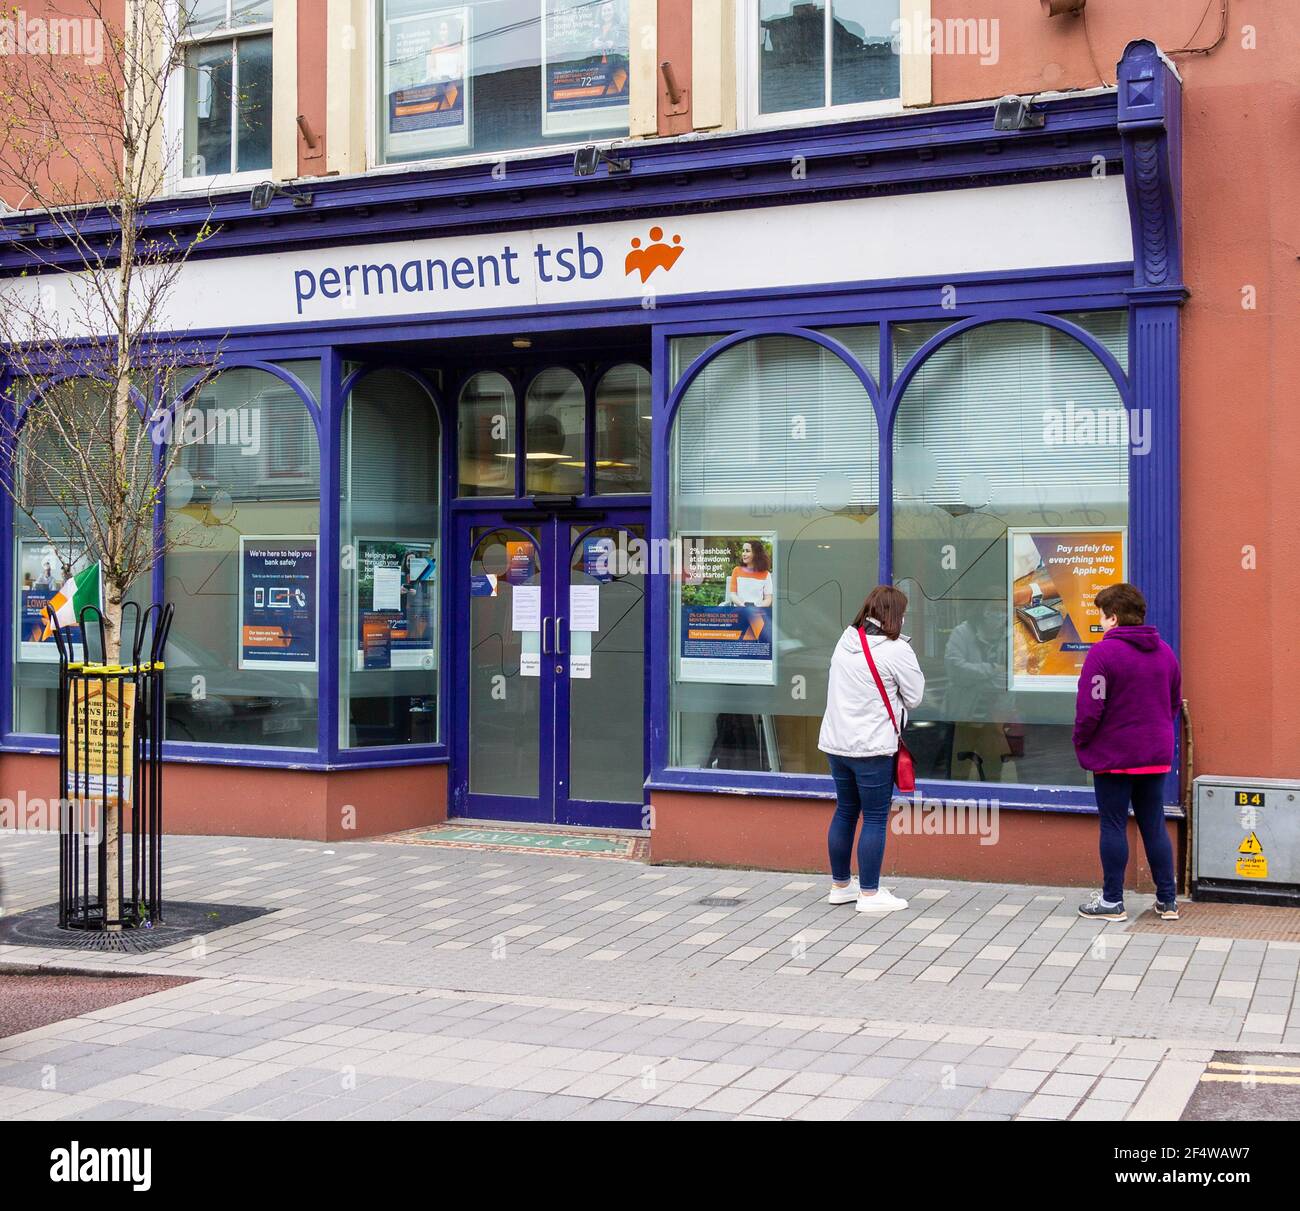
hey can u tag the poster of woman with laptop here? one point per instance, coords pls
(426, 81)
(726, 609)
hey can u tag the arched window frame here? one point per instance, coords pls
(886, 390)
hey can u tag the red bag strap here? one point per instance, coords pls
(880, 685)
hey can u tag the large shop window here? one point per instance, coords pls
(391, 565)
(46, 549)
(834, 55)
(225, 101)
(243, 514)
(774, 507)
(498, 75)
(1010, 482)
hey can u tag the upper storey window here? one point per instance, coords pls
(811, 58)
(498, 75)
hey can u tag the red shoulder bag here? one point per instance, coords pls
(904, 769)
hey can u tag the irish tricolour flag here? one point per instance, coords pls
(65, 606)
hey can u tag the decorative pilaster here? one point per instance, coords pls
(1150, 126)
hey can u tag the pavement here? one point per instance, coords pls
(397, 981)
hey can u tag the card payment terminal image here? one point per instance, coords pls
(1041, 616)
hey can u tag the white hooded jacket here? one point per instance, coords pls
(856, 723)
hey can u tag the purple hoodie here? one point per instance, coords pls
(1130, 692)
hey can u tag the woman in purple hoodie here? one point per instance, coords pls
(1130, 692)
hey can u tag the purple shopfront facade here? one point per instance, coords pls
(877, 251)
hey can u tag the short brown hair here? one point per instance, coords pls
(1123, 602)
(886, 605)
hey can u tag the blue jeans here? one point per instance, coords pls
(1146, 792)
(864, 786)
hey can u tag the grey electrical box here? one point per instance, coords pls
(1246, 840)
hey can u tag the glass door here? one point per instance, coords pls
(602, 696)
(552, 669)
(505, 684)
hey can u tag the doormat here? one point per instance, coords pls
(181, 923)
(1208, 920)
(529, 841)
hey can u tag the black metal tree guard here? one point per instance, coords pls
(110, 776)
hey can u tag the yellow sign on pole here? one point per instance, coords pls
(101, 747)
(101, 731)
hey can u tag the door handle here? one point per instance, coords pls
(546, 647)
(559, 645)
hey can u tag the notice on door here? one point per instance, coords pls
(526, 608)
(584, 607)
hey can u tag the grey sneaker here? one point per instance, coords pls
(1167, 912)
(1095, 910)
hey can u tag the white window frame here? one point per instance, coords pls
(748, 74)
(178, 182)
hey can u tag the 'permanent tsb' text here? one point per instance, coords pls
(430, 274)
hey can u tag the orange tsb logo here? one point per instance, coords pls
(655, 255)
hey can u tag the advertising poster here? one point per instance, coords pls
(277, 603)
(598, 558)
(426, 81)
(584, 65)
(395, 602)
(519, 562)
(726, 609)
(41, 572)
(1053, 575)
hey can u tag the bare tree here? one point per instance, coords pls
(83, 151)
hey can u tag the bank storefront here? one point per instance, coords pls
(545, 499)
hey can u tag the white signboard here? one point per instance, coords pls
(960, 231)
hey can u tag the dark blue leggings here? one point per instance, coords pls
(863, 787)
(1146, 793)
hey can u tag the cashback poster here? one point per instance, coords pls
(727, 609)
(395, 598)
(1053, 575)
(584, 65)
(42, 570)
(278, 624)
(426, 81)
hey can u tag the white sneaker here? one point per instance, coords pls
(883, 901)
(844, 895)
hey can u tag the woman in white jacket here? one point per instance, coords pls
(860, 742)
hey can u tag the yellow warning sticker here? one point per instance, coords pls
(1251, 863)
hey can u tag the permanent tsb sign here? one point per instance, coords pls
(1013, 227)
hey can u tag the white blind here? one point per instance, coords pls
(776, 417)
(1012, 415)
(260, 441)
(392, 460)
